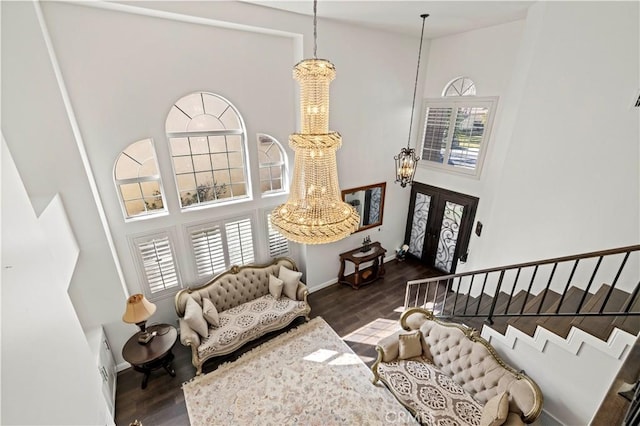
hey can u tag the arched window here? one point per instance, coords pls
(273, 165)
(207, 140)
(138, 181)
(460, 86)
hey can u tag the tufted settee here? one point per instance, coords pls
(444, 373)
(244, 309)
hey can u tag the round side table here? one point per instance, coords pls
(155, 354)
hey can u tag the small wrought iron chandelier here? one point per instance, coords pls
(406, 160)
(315, 212)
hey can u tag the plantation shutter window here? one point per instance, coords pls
(240, 242)
(278, 244)
(456, 133)
(208, 250)
(158, 264)
(217, 246)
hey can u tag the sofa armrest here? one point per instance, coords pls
(188, 337)
(412, 319)
(302, 292)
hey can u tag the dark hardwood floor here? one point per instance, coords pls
(345, 309)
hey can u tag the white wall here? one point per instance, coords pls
(570, 181)
(43, 345)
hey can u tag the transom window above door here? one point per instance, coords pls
(207, 141)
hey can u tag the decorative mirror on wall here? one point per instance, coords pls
(368, 202)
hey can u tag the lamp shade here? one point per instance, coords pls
(138, 309)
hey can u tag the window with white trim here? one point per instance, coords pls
(158, 269)
(219, 245)
(207, 141)
(278, 245)
(273, 165)
(456, 129)
(138, 181)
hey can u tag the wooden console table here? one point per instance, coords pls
(368, 274)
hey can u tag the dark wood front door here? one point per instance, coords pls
(439, 225)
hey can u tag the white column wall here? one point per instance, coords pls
(43, 345)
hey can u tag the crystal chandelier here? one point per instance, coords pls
(315, 212)
(407, 160)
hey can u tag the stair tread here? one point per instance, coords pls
(500, 323)
(630, 324)
(601, 326)
(528, 325)
(561, 325)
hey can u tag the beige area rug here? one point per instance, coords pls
(307, 376)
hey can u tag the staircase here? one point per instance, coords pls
(589, 291)
(569, 321)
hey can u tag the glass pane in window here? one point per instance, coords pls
(192, 105)
(148, 168)
(234, 143)
(219, 161)
(140, 150)
(230, 119)
(186, 182)
(276, 184)
(204, 178)
(239, 189)
(134, 207)
(214, 105)
(126, 168)
(205, 122)
(221, 176)
(264, 174)
(130, 191)
(153, 203)
(201, 163)
(150, 188)
(237, 175)
(182, 165)
(188, 197)
(236, 160)
(263, 157)
(265, 186)
(179, 146)
(276, 172)
(436, 133)
(218, 143)
(177, 120)
(199, 145)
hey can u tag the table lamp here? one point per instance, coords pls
(138, 311)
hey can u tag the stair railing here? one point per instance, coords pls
(543, 276)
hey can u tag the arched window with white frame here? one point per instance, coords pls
(273, 162)
(207, 141)
(138, 182)
(460, 86)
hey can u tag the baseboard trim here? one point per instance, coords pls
(122, 366)
(313, 289)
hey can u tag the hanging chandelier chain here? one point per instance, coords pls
(415, 85)
(315, 29)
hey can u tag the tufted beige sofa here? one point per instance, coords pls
(246, 309)
(458, 377)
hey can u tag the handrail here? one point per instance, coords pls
(479, 288)
(528, 264)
